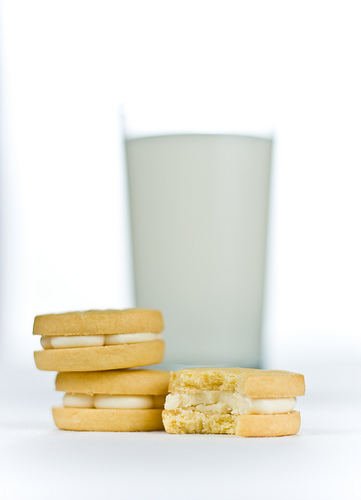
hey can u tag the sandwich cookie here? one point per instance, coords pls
(244, 402)
(118, 400)
(99, 340)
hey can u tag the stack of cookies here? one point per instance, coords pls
(93, 351)
(98, 353)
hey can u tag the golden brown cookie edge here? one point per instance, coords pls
(82, 359)
(99, 322)
(153, 382)
(107, 420)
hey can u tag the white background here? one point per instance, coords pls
(280, 68)
(276, 68)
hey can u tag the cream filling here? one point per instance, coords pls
(78, 401)
(112, 401)
(227, 402)
(131, 338)
(64, 342)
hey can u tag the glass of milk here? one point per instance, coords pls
(199, 212)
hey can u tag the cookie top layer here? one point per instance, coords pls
(138, 382)
(246, 381)
(97, 322)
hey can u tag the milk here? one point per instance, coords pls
(199, 210)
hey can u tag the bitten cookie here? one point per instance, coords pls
(99, 340)
(245, 402)
(118, 400)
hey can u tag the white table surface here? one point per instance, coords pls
(38, 461)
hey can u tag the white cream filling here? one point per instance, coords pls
(78, 401)
(130, 338)
(78, 341)
(46, 342)
(227, 402)
(64, 342)
(110, 401)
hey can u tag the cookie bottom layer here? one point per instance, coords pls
(80, 359)
(107, 420)
(196, 422)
